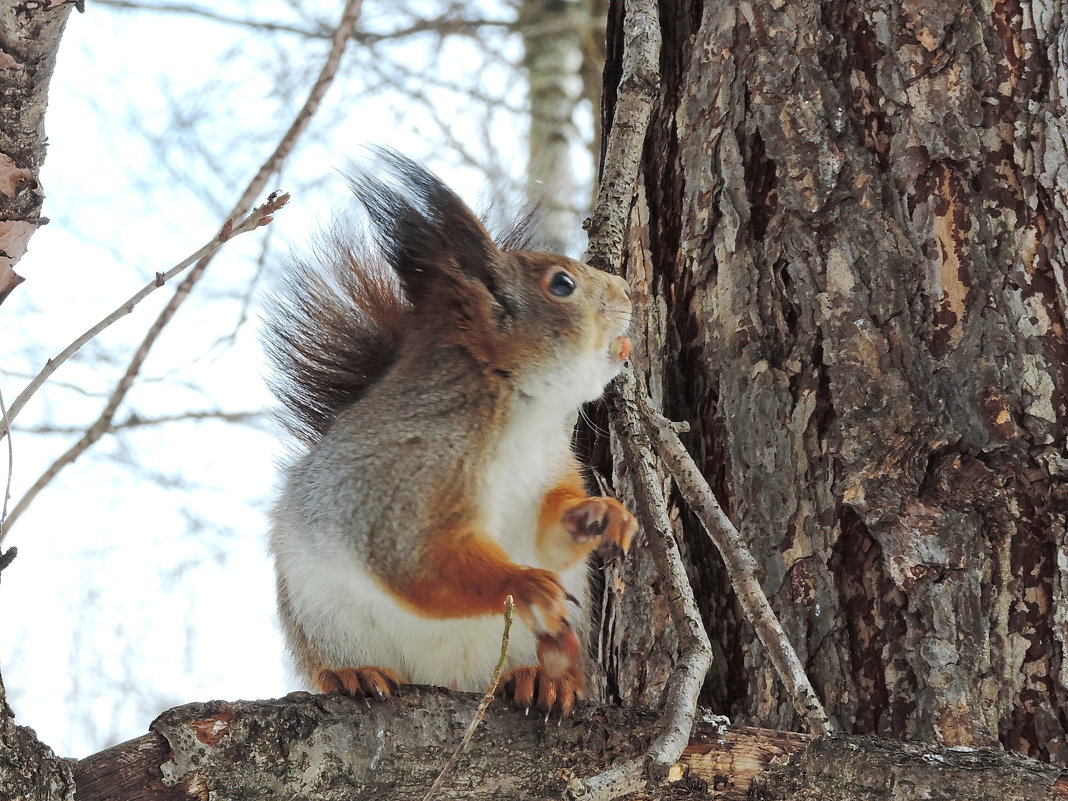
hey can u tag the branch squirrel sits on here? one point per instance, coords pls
(434, 386)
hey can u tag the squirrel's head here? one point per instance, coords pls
(568, 329)
(553, 326)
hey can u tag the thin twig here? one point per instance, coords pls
(259, 217)
(136, 421)
(7, 557)
(487, 699)
(442, 25)
(214, 16)
(5, 421)
(741, 566)
(285, 146)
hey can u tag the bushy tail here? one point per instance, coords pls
(335, 327)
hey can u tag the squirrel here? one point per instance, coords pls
(434, 381)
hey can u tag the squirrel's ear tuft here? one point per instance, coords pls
(426, 232)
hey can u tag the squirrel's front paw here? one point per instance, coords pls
(540, 601)
(600, 517)
(528, 687)
(362, 682)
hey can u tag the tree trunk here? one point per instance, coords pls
(29, 41)
(850, 244)
(552, 54)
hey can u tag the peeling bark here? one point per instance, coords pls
(854, 225)
(29, 40)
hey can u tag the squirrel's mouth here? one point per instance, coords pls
(619, 348)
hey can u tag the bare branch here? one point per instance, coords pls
(259, 217)
(695, 658)
(741, 566)
(639, 87)
(391, 750)
(56, 382)
(216, 16)
(342, 34)
(5, 420)
(136, 421)
(449, 23)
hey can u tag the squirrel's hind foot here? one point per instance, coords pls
(528, 687)
(361, 682)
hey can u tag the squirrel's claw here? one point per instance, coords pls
(362, 682)
(532, 687)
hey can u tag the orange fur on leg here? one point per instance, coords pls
(465, 575)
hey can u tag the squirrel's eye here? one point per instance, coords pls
(561, 285)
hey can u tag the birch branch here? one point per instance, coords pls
(695, 658)
(684, 686)
(639, 87)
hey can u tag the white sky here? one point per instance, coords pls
(142, 580)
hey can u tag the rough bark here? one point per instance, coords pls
(29, 771)
(880, 770)
(326, 748)
(851, 243)
(29, 41)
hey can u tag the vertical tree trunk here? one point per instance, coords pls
(553, 55)
(851, 238)
(29, 41)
